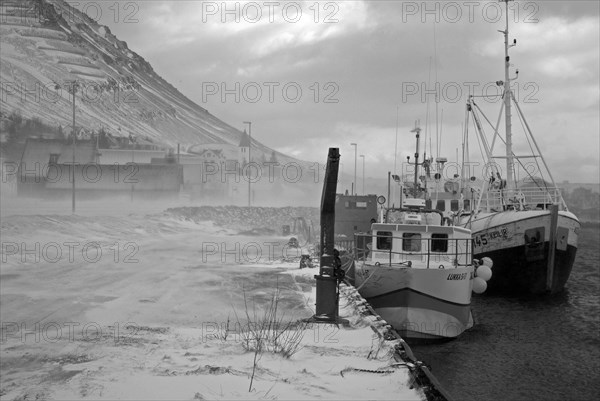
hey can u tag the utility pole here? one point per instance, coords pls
(354, 183)
(73, 90)
(396, 145)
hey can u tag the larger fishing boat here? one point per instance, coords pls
(524, 225)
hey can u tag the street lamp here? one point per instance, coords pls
(249, 160)
(131, 142)
(396, 146)
(73, 90)
(354, 182)
(363, 178)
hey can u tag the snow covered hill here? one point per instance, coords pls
(47, 44)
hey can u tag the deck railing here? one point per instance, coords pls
(458, 252)
(530, 198)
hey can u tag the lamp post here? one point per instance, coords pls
(249, 161)
(363, 175)
(354, 182)
(396, 145)
(131, 142)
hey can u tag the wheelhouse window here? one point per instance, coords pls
(467, 204)
(441, 205)
(454, 205)
(411, 242)
(355, 205)
(384, 240)
(439, 242)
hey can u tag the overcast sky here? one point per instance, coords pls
(312, 75)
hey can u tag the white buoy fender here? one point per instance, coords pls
(484, 272)
(479, 285)
(487, 261)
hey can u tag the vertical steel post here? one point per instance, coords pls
(551, 247)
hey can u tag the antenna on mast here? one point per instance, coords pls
(437, 132)
(427, 126)
(441, 127)
(396, 146)
(417, 130)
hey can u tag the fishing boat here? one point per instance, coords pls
(524, 225)
(417, 271)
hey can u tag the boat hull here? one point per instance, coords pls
(519, 242)
(427, 304)
(514, 271)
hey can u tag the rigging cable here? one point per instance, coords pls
(513, 153)
(534, 158)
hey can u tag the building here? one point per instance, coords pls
(210, 174)
(46, 170)
(49, 160)
(354, 213)
(124, 156)
(244, 147)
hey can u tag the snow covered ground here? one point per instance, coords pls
(153, 307)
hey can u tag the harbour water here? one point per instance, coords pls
(542, 348)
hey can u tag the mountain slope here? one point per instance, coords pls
(47, 44)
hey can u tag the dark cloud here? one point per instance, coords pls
(374, 56)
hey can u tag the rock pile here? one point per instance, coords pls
(256, 219)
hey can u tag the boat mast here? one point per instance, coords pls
(507, 99)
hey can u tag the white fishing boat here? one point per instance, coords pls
(417, 272)
(523, 225)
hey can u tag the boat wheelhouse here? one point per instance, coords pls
(417, 273)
